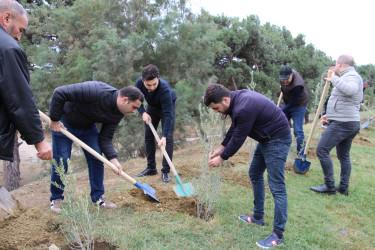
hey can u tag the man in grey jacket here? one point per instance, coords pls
(344, 123)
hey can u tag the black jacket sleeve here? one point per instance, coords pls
(17, 96)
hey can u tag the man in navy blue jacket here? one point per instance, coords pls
(253, 115)
(77, 108)
(161, 103)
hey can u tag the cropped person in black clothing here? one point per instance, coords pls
(161, 103)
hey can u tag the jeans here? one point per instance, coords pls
(272, 156)
(339, 135)
(157, 115)
(62, 148)
(298, 116)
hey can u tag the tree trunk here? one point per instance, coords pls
(12, 174)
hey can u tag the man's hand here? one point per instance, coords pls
(330, 75)
(214, 162)
(163, 142)
(56, 126)
(118, 165)
(217, 152)
(44, 150)
(146, 117)
(323, 120)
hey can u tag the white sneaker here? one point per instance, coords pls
(55, 206)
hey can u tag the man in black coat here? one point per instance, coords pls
(18, 110)
(77, 108)
(161, 103)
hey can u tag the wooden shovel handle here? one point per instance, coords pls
(163, 149)
(280, 97)
(325, 90)
(87, 148)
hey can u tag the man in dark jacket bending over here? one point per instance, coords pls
(18, 110)
(295, 102)
(253, 115)
(77, 107)
(161, 103)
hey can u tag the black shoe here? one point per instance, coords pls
(148, 171)
(165, 177)
(323, 189)
(342, 191)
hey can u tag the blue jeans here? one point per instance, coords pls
(298, 116)
(272, 156)
(339, 135)
(157, 115)
(62, 148)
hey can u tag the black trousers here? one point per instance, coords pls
(150, 141)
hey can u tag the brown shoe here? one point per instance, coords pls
(105, 203)
(55, 206)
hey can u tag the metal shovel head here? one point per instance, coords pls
(147, 190)
(365, 125)
(6, 200)
(301, 166)
(187, 187)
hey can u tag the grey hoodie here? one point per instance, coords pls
(347, 94)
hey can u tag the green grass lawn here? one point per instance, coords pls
(314, 221)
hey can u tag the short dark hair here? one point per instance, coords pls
(215, 94)
(367, 82)
(150, 72)
(132, 93)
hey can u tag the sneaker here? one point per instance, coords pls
(251, 219)
(271, 241)
(55, 206)
(105, 203)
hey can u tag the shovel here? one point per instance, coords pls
(6, 201)
(279, 101)
(365, 125)
(146, 188)
(182, 189)
(301, 166)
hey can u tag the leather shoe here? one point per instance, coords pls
(165, 177)
(323, 189)
(148, 171)
(342, 191)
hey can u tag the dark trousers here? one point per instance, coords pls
(150, 142)
(62, 149)
(339, 135)
(271, 156)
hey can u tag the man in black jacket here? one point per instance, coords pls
(77, 107)
(295, 102)
(253, 115)
(18, 110)
(161, 101)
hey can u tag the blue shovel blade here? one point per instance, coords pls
(301, 166)
(366, 124)
(147, 190)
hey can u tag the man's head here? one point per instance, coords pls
(366, 84)
(217, 97)
(129, 99)
(13, 18)
(343, 62)
(150, 77)
(286, 75)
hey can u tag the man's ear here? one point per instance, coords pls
(7, 18)
(124, 100)
(226, 100)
